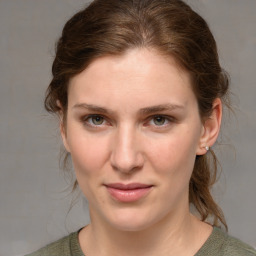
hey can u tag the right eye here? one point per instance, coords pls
(94, 120)
(159, 120)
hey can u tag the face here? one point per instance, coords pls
(133, 130)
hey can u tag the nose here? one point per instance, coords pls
(126, 155)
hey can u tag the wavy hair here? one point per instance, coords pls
(111, 27)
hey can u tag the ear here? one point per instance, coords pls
(62, 127)
(211, 128)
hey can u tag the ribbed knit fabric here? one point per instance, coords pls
(218, 244)
(221, 244)
(67, 246)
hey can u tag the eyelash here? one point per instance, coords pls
(85, 120)
(167, 120)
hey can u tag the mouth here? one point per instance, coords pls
(128, 192)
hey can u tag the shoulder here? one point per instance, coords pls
(66, 246)
(236, 247)
(220, 243)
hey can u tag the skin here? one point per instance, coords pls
(134, 118)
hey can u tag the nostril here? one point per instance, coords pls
(127, 163)
(126, 156)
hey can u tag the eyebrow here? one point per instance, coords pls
(159, 108)
(146, 110)
(92, 107)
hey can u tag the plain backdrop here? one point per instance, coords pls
(34, 205)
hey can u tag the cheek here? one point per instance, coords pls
(89, 154)
(173, 159)
(175, 152)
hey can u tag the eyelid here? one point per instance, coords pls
(107, 122)
(84, 120)
(168, 118)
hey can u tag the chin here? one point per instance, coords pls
(133, 221)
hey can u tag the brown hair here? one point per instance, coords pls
(111, 27)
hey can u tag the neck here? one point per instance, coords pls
(183, 235)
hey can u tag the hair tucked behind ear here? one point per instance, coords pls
(171, 27)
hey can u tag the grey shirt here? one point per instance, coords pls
(218, 244)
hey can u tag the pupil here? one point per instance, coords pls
(159, 120)
(97, 120)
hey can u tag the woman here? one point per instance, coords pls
(139, 91)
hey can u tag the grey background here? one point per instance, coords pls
(33, 200)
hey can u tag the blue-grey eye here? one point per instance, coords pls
(159, 120)
(97, 120)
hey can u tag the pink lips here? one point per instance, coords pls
(128, 192)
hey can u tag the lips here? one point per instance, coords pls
(128, 192)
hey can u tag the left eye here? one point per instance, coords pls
(159, 120)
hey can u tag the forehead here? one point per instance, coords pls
(139, 74)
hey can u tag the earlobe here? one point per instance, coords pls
(211, 128)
